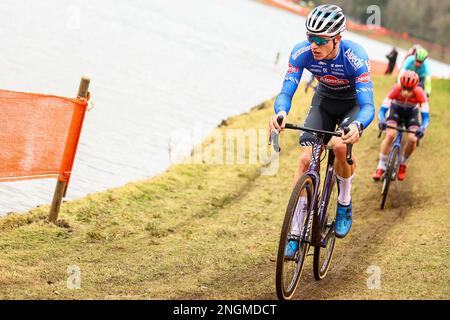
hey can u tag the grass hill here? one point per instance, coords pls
(211, 231)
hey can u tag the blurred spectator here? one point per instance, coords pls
(392, 57)
(277, 58)
(310, 84)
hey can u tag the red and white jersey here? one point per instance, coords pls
(417, 100)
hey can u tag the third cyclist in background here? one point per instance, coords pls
(403, 102)
(420, 65)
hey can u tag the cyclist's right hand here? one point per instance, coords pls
(420, 133)
(382, 126)
(273, 123)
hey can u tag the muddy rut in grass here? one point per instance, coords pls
(351, 258)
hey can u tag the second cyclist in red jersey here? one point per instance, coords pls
(404, 102)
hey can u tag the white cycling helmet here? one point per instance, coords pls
(326, 20)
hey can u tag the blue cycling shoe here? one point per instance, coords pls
(343, 220)
(291, 249)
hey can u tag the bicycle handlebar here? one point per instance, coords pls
(274, 136)
(349, 148)
(400, 130)
(326, 133)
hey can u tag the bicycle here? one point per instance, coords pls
(393, 162)
(317, 227)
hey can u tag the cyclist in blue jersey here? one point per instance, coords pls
(344, 97)
(420, 65)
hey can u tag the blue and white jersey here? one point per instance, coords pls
(345, 77)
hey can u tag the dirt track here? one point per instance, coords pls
(355, 251)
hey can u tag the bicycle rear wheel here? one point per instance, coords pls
(324, 255)
(289, 271)
(390, 175)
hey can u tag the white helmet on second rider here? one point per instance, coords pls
(326, 20)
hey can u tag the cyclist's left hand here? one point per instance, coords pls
(353, 136)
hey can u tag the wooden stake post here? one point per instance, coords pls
(61, 186)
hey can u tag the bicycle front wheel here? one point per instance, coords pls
(289, 269)
(390, 175)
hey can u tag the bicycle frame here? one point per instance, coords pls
(315, 230)
(314, 172)
(317, 215)
(397, 142)
(323, 207)
(313, 227)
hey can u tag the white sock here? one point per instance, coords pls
(345, 187)
(382, 162)
(299, 216)
(403, 159)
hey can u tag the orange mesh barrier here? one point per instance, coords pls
(38, 135)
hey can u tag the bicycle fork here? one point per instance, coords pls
(321, 215)
(317, 213)
(396, 145)
(313, 173)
